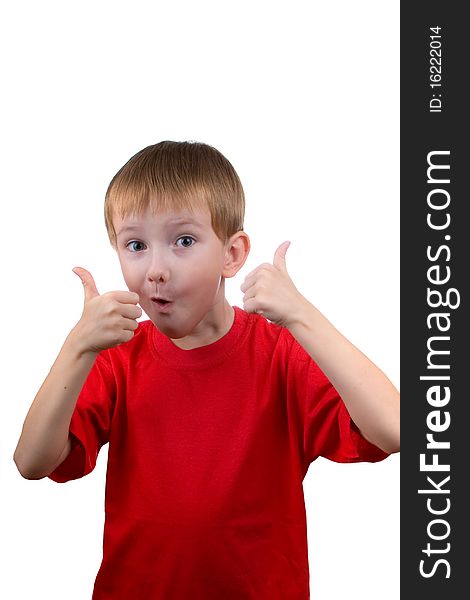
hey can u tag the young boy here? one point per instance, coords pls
(212, 413)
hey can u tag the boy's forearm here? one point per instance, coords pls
(46, 427)
(370, 397)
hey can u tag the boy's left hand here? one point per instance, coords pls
(269, 291)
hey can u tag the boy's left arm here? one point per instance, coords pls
(372, 400)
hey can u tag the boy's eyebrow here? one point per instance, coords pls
(178, 221)
(185, 221)
(128, 228)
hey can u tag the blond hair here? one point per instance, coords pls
(175, 176)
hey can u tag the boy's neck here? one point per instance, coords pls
(213, 327)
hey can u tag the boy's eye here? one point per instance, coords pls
(135, 246)
(185, 239)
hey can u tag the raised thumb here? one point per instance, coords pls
(89, 284)
(280, 256)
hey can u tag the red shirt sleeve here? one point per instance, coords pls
(90, 423)
(324, 424)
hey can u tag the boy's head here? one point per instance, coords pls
(174, 213)
(178, 176)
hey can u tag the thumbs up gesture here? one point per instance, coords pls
(107, 319)
(270, 291)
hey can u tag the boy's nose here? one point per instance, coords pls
(157, 272)
(156, 279)
(157, 276)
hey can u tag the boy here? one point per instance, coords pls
(212, 413)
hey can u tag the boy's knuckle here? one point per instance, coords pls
(108, 308)
(107, 297)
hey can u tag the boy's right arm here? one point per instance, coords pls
(44, 441)
(107, 321)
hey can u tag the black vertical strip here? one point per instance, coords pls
(435, 329)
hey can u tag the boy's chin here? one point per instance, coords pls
(174, 333)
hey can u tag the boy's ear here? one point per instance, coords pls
(237, 249)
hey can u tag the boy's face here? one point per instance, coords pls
(178, 257)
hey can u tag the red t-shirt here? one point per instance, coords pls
(208, 449)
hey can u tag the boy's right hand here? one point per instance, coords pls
(107, 320)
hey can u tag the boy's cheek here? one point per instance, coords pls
(131, 277)
(132, 285)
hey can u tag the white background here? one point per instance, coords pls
(302, 98)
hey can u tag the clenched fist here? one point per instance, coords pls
(269, 291)
(107, 320)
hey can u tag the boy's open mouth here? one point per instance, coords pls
(161, 301)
